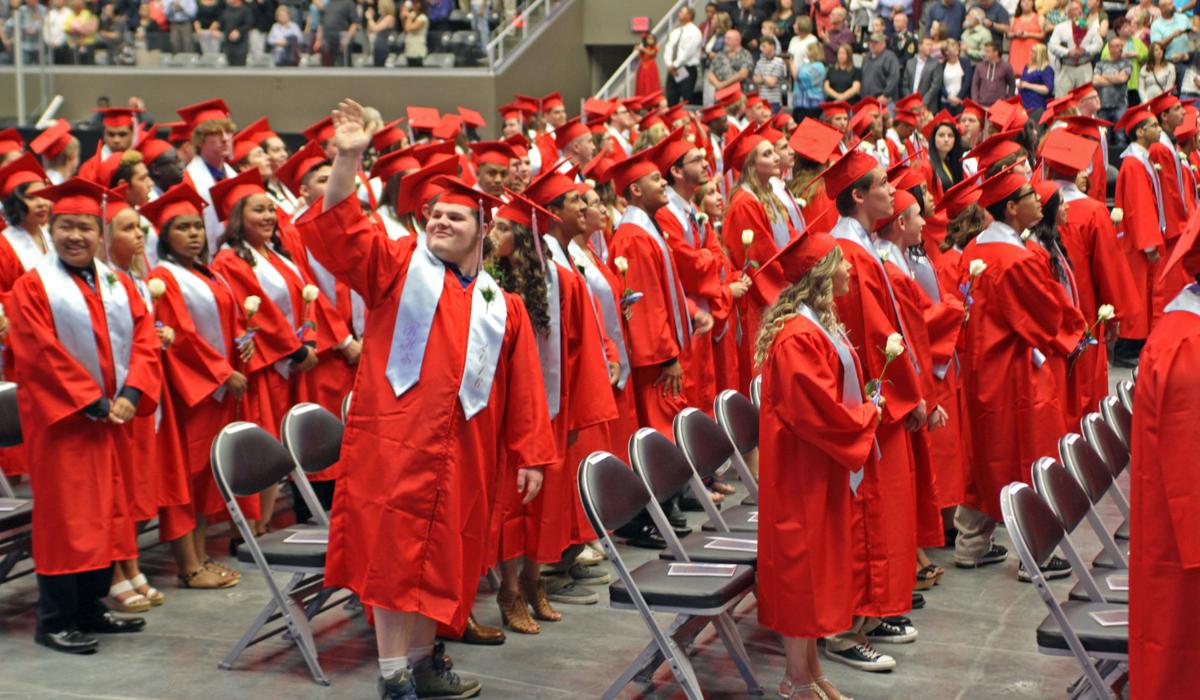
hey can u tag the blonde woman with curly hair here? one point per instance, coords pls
(813, 403)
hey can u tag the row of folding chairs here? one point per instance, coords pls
(700, 578)
(1091, 625)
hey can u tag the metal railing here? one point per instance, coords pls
(623, 80)
(532, 16)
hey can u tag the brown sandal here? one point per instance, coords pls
(221, 570)
(536, 597)
(206, 579)
(514, 613)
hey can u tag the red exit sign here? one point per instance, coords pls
(640, 24)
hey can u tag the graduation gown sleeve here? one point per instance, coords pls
(194, 369)
(652, 338)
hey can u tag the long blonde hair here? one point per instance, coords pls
(814, 289)
(1039, 58)
(761, 190)
(650, 137)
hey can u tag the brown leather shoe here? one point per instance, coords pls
(482, 634)
(514, 612)
(536, 597)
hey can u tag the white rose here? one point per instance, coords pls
(1118, 215)
(702, 218)
(311, 292)
(977, 267)
(895, 345)
(1026, 234)
(1158, 167)
(621, 264)
(747, 237)
(157, 288)
(1106, 312)
(251, 305)
(801, 203)
(590, 183)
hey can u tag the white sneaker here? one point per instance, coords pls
(864, 658)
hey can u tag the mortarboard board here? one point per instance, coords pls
(959, 197)
(569, 131)
(117, 117)
(815, 140)
(1067, 154)
(182, 199)
(496, 152)
(1133, 118)
(10, 140)
(302, 162)
(417, 188)
(197, 114)
(1001, 186)
(20, 171)
(78, 196)
(228, 192)
(630, 170)
(472, 118)
(423, 118)
(847, 170)
(53, 140)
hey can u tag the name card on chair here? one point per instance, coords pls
(730, 544)
(313, 536)
(1112, 618)
(718, 570)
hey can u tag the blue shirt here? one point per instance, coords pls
(1031, 100)
(186, 11)
(949, 16)
(1162, 28)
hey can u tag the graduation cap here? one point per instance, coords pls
(519, 143)
(1001, 186)
(905, 117)
(1186, 129)
(78, 196)
(1163, 102)
(117, 203)
(900, 204)
(862, 123)
(651, 118)
(455, 191)
(780, 121)
(228, 192)
(250, 138)
(712, 113)
(728, 95)
(598, 109)
(903, 176)
(524, 212)
(390, 135)
(418, 187)
(448, 127)
(1067, 154)
(177, 132)
(753, 100)
(208, 110)
(394, 163)
(117, 117)
(672, 149)
(495, 152)
(19, 172)
(846, 171)
(10, 140)
(53, 140)
(528, 104)
(942, 117)
(676, 114)
(972, 107)
(320, 132)
(151, 148)
(1085, 126)
(302, 162)
(910, 103)
(1008, 115)
(549, 186)
(1044, 188)
(1083, 91)
(181, 200)
(740, 148)
(472, 118)
(651, 100)
(551, 101)
(569, 131)
(1133, 118)
(815, 140)
(599, 169)
(106, 169)
(1056, 108)
(516, 110)
(995, 149)
(837, 108)
(423, 118)
(769, 132)
(794, 260)
(868, 104)
(632, 169)
(959, 197)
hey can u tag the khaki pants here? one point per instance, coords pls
(975, 531)
(1067, 78)
(853, 636)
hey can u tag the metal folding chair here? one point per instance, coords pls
(1086, 465)
(1116, 457)
(1118, 418)
(708, 449)
(16, 519)
(313, 438)
(245, 461)
(738, 417)
(1125, 393)
(1071, 505)
(1070, 629)
(612, 494)
(756, 390)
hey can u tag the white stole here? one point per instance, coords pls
(608, 313)
(789, 203)
(550, 345)
(636, 217)
(201, 305)
(1143, 156)
(73, 322)
(1187, 300)
(22, 244)
(1000, 232)
(779, 229)
(1170, 145)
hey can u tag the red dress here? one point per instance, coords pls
(807, 583)
(648, 81)
(1164, 567)
(410, 521)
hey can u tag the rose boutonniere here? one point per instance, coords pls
(1118, 215)
(309, 294)
(893, 349)
(747, 241)
(250, 306)
(975, 269)
(628, 296)
(1105, 313)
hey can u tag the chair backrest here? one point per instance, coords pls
(756, 391)
(1031, 524)
(1065, 496)
(1119, 419)
(313, 436)
(10, 418)
(1086, 465)
(706, 446)
(659, 462)
(246, 460)
(611, 493)
(739, 418)
(1125, 393)
(346, 405)
(1104, 440)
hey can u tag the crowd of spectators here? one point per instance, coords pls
(233, 32)
(800, 53)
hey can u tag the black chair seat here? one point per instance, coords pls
(694, 547)
(280, 553)
(1110, 596)
(1095, 638)
(737, 518)
(660, 590)
(1122, 532)
(1104, 561)
(13, 519)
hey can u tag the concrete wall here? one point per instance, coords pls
(607, 21)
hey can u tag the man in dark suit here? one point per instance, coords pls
(748, 20)
(923, 74)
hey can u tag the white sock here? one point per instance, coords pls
(418, 654)
(392, 666)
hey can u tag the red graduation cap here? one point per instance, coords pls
(521, 211)
(815, 140)
(768, 132)
(1008, 115)
(302, 162)
(651, 118)
(106, 169)
(53, 140)
(903, 176)
(995, 149)
(321, 131)
(1133, 118)
(942, 117)
(117, 117)
(729, 95)
(197, 114)
(972, 107)
(868, 104)
(652, 100)
(569, 131)
(1186, 129)
(228, 192)
(671, 150)
(517, 110)
(847, 170)
(862, 123)
(549, 186)
(177, 132)
(910, 103)
(599, 169)
(472, 118)
(495, 152)
(528, 104)
(1083, 91)
(1163, 102)
(1055, 108)
(20, 171)
(423, 118)
(181, 200)
(252, 137)
(900, 204)
(1085, 126)
(783, 121)
(455, 191)
(740, 148)
(151, 148)
(394, 163)
(598, 109)
(519, 143)
(959, 197)
(551, 101)
(78, 196)
(630, 170)
(424, 152)
(905, 117)
(1067, 154)
(448, 127)
(10, 140)
(1000, 186)
(837, 108)
(753, 100)
(390, 135)
(712, 113)
(676, 114)
(418, 187)
(117, 203)
(796, 259)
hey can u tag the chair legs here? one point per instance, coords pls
(737, 651)
(288, 603)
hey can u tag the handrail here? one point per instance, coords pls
(525, 20)
(621, 82)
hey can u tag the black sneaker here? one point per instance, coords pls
(995, 555)
(647, 538)
(863, 657)
(899, 621)
(1055, 568)
(397, 687)
(918, 601)
(889, 633)
(432, 678)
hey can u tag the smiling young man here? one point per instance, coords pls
(87, 362)
(450, 387)
(212, 138)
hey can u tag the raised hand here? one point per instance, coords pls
(350, 135)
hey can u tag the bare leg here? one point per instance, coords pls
(752, 462)
(397, 632)
(797, 674)
(269, 496)
(514, 609)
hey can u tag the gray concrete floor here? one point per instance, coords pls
(976, 642)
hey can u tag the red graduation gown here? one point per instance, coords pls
(82, 521)
(1138, 232)
(194, 370)
(13, 460)
(651, 328)
(1005, 393)
(885, 517)
(1164, 566)
(807, 583)
(409, 529)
